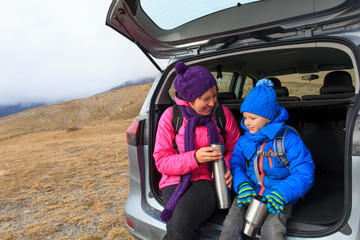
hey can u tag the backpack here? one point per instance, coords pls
(177, 120)
(279, 153)
(278, 146)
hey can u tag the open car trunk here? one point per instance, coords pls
(320, 120)
(322, 129)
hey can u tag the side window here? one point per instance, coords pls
(248, 85)
(224, 82)
(172, 91)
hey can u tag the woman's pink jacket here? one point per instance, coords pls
(172, 165)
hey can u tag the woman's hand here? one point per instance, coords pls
(228, 178)
(207, 154)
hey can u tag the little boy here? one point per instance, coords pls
(255, 174)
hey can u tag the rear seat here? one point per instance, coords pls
(226, 95)
(228, 98)
(337, 85)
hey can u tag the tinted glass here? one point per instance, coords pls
(169, 14)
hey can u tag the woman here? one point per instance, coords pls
(186, 183)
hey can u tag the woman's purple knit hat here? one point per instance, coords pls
(192, 82)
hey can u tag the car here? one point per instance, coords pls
(311, 51)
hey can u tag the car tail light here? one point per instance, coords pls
(129, 223)
(132, 133)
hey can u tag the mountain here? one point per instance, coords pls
(12, 109)
(6, 110)
(115, 105)
(135, 83)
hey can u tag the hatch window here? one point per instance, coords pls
(169, 14)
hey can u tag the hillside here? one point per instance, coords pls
(64, 168)
(115, 105)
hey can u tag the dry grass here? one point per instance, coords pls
(64, 168)
(64, 184)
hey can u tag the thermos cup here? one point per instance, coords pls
(219, 169)
(255, 216)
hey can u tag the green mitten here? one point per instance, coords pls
(245, 194)
(275, 202)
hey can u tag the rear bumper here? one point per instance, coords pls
(144, 217)
(146, 226)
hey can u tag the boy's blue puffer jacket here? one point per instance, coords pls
(291, 183)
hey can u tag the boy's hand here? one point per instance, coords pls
(275, 202)
(245, 194)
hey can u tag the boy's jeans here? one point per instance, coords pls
(273, 228)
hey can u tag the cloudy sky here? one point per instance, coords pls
(61, 50)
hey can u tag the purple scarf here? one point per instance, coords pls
(193, 120)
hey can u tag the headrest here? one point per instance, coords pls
(275, 81)
(281, 91)
(337, 82)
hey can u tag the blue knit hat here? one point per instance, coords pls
(192, 82)
(261, 100)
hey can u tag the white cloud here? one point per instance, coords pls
(61, 50)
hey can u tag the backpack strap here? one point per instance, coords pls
(177, 119)
(256, 169)
(279, 146)
(220, 120)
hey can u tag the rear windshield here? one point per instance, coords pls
(171, 14)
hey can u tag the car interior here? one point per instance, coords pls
(316, 85)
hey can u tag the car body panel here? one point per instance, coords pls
(147, 216)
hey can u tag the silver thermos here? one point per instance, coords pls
(255, 216)
(222, 190)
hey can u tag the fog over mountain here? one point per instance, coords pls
(6, 110)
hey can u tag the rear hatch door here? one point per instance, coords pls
(166, 28)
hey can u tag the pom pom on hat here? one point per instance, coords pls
(180, 68)
(192, 82)
(265, 82)
(262, 100)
